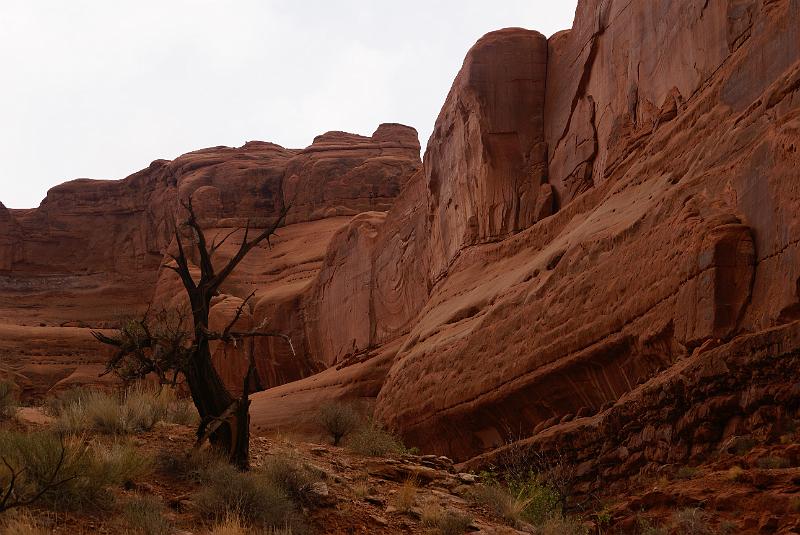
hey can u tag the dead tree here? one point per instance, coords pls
(224, 418)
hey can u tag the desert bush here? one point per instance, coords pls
(145, 514)
(339, 420)
(183, 412)
(772, 462)
(735, 473)
(233, 525)
(690, 522)
(8, 399)
(121, 463)
(520, 501)
(21, 522)
(290, 476)
(190, 465)
(65, 473)
(373, 440)
(558, 525)
(687, 472)
(253, 498)
(445, 522)
(406, 496)
(138, 409)
(646, 527)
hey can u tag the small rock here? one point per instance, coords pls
(379, 520)
(391, 509)
(468, 478)
(319, 450)
(374, 500)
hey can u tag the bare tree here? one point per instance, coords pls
(172, 349)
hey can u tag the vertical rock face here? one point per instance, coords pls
(662, 164)
(486, 158)
(670, 149)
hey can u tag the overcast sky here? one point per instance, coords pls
(100, 88)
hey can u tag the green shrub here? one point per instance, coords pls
(145, 514)
(252, 497)
(137, 410)
(71, 473)
(188, 466)
(183, 412)
(8, 399)
(292, 478)
(558, 525)
(373, 440)
(528, 501)
(121, 463)
(687, 472)
(445, 522)
(772, 462)
(690, 522)
(338, 420)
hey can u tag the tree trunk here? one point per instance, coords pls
(212, 399)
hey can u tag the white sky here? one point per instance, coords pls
(100, 88)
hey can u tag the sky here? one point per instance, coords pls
(99, 88)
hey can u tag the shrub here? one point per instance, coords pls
(8, 399)
(22, 523)
(373, 440)
(183, 412)
(188, 466)
(445, 522)
(339, 420)
(735, 473)
(687, 472)
(252, 497)
(690, 522)
(292, 478)
(48, 468)
(145, 514)
(529, 501)
(406, 496)
(138, 409)
(233, 525)
(558, 525)
(121, 463)
(772, 462)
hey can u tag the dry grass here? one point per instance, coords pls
(443, 522)
(136, 410)
(8, 399)
(771, 462)
(256, 500)
(145, 515)
(22, 522)
(558, 525)
(406, 497)
(372, 440)
(735, 473)
(690, 522)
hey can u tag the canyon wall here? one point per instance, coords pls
(601, 219)
(91, 253)
(567, 241)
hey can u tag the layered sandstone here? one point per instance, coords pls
(91, 253)
(663, 158)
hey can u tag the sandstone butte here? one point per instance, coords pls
(599, 253)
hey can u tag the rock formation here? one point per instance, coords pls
(604, 230)
(91, 253)
(645, 215)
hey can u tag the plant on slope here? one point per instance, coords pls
(338, 420)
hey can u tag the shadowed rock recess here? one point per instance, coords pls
(600, 252)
